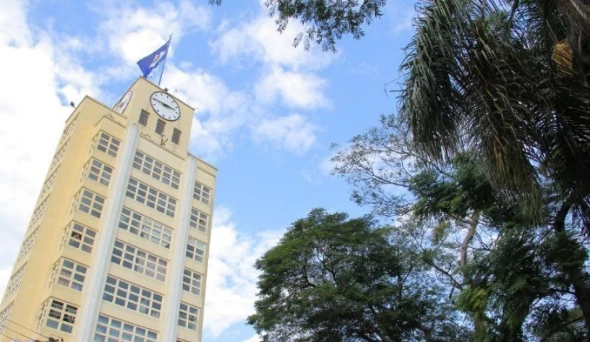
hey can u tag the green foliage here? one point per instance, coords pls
(337, 279)
(326, 21)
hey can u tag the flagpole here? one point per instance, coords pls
(165, 58)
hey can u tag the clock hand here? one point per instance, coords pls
(164, 104)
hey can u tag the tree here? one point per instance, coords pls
(325, 21)
(336, 279)
(482, 77)
(512, 276)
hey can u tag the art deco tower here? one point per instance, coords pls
(117, 245)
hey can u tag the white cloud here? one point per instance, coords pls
(291, 132)
(231, 280)
(131, 31)
(254, 338)
(32, 116)
(259, 40)
(295, 89)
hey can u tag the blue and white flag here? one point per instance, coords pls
(150, 63)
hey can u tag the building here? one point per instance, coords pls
(116, 248)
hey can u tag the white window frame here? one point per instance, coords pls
(59, 155)
(79, 236)
(60, 313)
(5, 316)
(106, 143)
(199, 220)
(68, 273)
(138, 260)
(145, 227)
(27, 245)
(188, 316)
(192, 281)
(89, 202)
(49, 183)
(119, 330)
(151, 197)
(202, 193)
(132, 297)
(156, 169)
(98, 171)
(15, 281)
(196, 249)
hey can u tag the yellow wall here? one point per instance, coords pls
(90, 118)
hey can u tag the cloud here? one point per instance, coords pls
(231, 280)
(33, 115)
(130, 32)
(254, 338)
(291, 132)
(295, 89)
(258, 40)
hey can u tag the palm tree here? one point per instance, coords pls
(509, 80)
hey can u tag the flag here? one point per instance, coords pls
(150, 63)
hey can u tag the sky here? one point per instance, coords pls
(267, 114)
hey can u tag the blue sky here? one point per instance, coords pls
(266, 115)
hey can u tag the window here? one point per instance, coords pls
(49, 182)
(106, 143)
(98, 172)
(27, 246)
(187, 317)
(5, 316)
(89, 202)
(60, 315)
(176, 136)
(39, 212)
(67, 131)
(145, 227)
(14, 282)
(191, 282)
(202, 193)
(160, 126)
(195, 249)
(132, 297)
(69, 274)
(151, 197)
(143, 117)
(139, 261)
(79, 236)
(114, 330)
(59, 155)
(156, 169)
(199, 220)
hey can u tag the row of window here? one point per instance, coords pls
(61, 316)
(5, 316)
(139, 261)
(59, 155)
(39, 212)
(106, 143)
(98, 171)
(151, 197)
(27, 246)
(69, 274)
(49, 182)
(67, 132)
(156, 169)
(146, 228)
(132, 297)
(14, 282)
(160, 126)
(79, 237)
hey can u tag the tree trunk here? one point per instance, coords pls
(574, 274)
(469, 237)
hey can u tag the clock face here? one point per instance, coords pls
(165, 106)
(122, 104)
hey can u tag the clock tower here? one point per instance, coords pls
(118, 243)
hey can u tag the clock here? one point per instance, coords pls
(165, 106)
(122, 104)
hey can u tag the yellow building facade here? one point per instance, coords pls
(117, 245)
